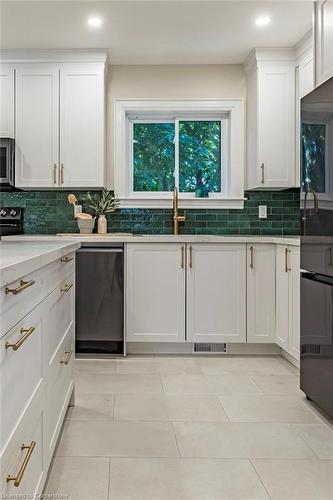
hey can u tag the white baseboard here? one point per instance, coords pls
(289, 358)
(187, 348)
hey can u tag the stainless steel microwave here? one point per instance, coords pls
(7, 164)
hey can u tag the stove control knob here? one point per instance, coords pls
(13, 213)
(3, 212)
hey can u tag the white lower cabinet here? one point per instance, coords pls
(36, 383)
(288, 299)
(261, 293)
(216, 292)
(155, 292)
(210, 279)
(213, 293)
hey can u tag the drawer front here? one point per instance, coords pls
(25, 464)
(60, 384)
(21, 369)
(20, 297)
(59, 318)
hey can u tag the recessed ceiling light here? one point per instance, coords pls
(94, 22)
(262, 20)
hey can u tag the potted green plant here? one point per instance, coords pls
(102, 204)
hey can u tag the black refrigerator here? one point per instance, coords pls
(316, 362)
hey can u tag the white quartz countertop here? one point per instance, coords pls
(20, 258)
(151, 238)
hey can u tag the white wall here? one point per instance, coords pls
(189, 81)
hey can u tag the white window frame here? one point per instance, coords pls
(230, 111)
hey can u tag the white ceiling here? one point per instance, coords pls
(156, 32)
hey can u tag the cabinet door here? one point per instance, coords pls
(261, 293)
(324, 40)
(216, 293)
(82, 125)
(7, 75)
(276, 127)
(282, 297)
(294, 302)
(155, 309)
(37, 123)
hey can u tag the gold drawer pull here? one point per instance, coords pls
(23, 286)
(67, 358)
(66, 288)
(66, 259)
(17, 479)
(27, 332)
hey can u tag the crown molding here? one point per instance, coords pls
(50, 55)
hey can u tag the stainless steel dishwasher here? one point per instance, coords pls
(100, 299)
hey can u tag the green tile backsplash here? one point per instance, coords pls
(48, 212)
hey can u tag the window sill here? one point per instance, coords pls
(199, 203)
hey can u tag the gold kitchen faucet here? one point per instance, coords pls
(176, 218)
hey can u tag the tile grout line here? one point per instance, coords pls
(109, 481)
(293, 425)
(259, 477)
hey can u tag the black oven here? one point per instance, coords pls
(7, 164)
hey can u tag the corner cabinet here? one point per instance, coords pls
(324, 40)
(216, 292)
(261, 293)
(59, 118)
(288, 299)
(271, 119)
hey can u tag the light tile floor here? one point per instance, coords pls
(192, 428)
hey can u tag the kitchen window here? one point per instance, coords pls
(196, 146)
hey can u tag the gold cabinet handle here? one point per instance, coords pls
(66, 259)
(289, 268)
(68, 355)
(61, 174)
(55, 173)
(251, 257)
(191, 257)
(27, 332)
(262, 166)
(18, 478)
(286, 260)
(23, 286)
(182, 257)
(67, 288)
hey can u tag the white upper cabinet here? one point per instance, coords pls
(216, 292)
(81, 125)
(7, 74)
(155, 306)
(261, 293)
(37, 125)
(271, 119)
(324, 40)
(59, 117)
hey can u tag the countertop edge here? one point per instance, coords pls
(284, 240)
(11, 272)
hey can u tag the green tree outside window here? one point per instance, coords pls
(199, 157)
